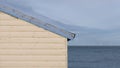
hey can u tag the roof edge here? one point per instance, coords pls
(15, 13)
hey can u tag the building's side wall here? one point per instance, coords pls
(23, 45)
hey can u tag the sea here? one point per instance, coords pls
(94, 57)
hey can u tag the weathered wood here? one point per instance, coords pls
(23, 45)
(28, 34)
(33, 67)
(6, 17)
(32, 46)
(32, 63)
(32, 58)
(33, 52)
(21, 29)
(34, 40)
(14, 23)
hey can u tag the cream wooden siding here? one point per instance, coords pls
(23, 45)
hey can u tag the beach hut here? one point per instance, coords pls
(29, 42)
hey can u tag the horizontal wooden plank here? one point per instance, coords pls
(29, 34)
(31, 46)
(6, 16)
(33, 52)
(14, 23)
(21, 29)
(32, 55)
(33, 58)
(27, 64)
(34, 67)
(32, 40)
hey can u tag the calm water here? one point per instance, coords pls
(94, 57)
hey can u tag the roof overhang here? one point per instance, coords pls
(37, 22)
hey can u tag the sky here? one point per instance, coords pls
(95, 22)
